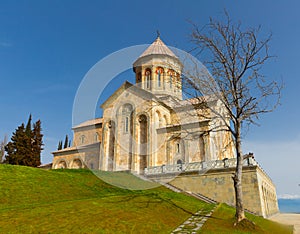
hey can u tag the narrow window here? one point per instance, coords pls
(126, 117)
(178, 148)
(148, 79)
(158, 78)
(139, 79)
(96, 137)
(82, 139)
(171, 80)
(126, 124)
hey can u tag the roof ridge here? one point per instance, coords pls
(158, 47)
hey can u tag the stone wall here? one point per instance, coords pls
(258, 190)
(77, 158)
(87, 135)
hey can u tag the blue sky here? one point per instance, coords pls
(46, 48)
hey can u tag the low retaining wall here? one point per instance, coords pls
(259, 192)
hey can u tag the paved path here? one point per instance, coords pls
(194, 223)
(290, 219)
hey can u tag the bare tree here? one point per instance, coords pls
(234, 57)
(2, 148)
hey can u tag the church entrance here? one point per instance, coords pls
(143, 143)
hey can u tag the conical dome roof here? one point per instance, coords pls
(158, 47)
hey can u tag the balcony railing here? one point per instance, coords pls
(198, 166)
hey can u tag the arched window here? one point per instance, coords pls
(179, 165)
(82, 139)
(61, 165)
(158, 78)
(178, 147)
(148, 79)
(77, 164)
(164, 121)
(139, 79)
(177, 84)
(126, 113)
(160, 73)
(157, 119)
(126, 127)
(96, 137)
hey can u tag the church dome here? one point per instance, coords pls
(158, 70)
(158, 47)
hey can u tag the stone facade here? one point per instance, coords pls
(148, 124)
(148, 128)
(85, 150)
(215, 182)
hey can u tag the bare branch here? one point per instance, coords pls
(234, 57)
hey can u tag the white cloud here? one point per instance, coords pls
(289, 196)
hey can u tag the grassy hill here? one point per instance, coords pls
(222, 221)
(76, 201)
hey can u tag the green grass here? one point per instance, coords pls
(222, 221)
(76, 201)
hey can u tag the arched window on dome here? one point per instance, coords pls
(159, 72)
(139, 79)
(148, 79)
(171, 80)
(176, 82)
(158, 78)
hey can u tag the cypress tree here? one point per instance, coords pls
(59, 147)
(17, 149)
(37, 143)
(66, 142)
(28, 126)
(25, 146)
(28, 141)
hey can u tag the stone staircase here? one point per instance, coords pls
(196, 195)
(203, 198)
(171, 187)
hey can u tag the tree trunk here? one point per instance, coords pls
(237, 178)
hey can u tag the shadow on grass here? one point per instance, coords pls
(144, 200)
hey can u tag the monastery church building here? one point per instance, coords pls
(148, 128)
(147, 124)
